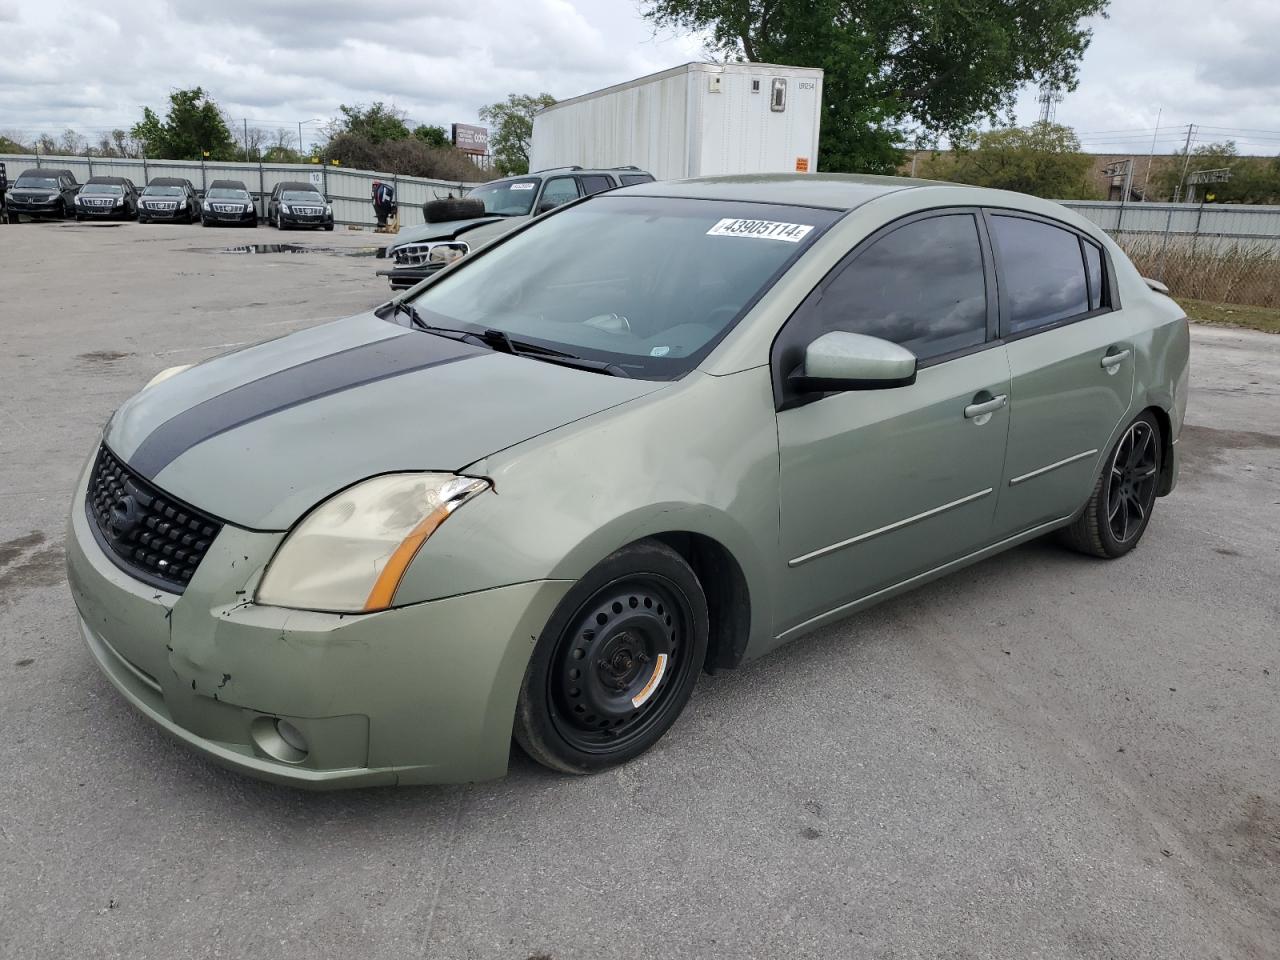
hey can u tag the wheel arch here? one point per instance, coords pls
(727, 591)
(1165, 422)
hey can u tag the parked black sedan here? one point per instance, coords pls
(107, 198)
(228, 201)
(169, 198)
(298, 204)
(42, 194)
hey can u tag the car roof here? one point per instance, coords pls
(570, 171)
(169, 182)
(45, 172)
(118, 181)
(845, 191)
(228, 184)
(297, 185)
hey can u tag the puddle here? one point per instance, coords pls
(295, 248)
(103, 356)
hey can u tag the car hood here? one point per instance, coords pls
(452, 229)
(32, 191)
(259, 436)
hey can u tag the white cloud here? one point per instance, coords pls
(93, 67)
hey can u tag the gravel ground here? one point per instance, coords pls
(1044, 756)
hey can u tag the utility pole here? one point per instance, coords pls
(246, 139)
(1146, 180)
(299, 140)
(1186, 149)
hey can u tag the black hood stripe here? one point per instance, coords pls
(321, 377)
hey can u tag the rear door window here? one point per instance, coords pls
(1042, 273)
(630, 178)
(595, 183)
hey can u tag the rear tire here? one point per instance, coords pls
(1118, 510)
(616, 663)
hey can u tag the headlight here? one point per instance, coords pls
(119, 201)
(52, 197)
(182, 204)
(165, 374)
(284, 208)
(328, 209)
(349, 554)
(208, 205)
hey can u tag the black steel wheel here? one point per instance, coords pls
(1119, 508)
(616, 663)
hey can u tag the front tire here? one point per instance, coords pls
(616, 663)
(1119, 508)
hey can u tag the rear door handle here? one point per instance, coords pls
(974, 410)
(1113, 360)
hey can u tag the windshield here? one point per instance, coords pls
(164, 192)
(511, 198)
(110, 189)
(303, 196)
(649, 284)
(227, 193)
(36, 183)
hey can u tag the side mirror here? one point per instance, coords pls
(851, 361)
(545, 205)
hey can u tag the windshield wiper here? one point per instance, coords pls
(501, 342)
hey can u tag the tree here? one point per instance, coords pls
(940, 65)
(194, 126)
(9, 143)
(1253, 179)
(376, 123)
(1043, 159)
(511, 123)
(432, 136)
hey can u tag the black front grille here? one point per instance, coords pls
(151, 535)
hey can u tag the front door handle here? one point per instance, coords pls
(1113, 360)
(974, 411)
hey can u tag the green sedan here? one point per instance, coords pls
(657, 432)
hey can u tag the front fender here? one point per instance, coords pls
(699, 456)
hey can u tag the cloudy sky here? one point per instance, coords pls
(73, 63)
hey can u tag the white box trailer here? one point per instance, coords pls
(696, 120)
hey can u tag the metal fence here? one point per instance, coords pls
(1220, 252)
(348, 190)
(1213, 227)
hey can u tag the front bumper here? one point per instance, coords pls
(424, 693)
(402, 278)
(102, 213)
(304, 220)
(32, 208)
(155, 213)
(218, 216)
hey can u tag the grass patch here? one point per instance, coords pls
(1266, 319)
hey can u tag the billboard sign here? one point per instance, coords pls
(469, 139)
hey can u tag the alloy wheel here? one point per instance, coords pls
(1131, 486)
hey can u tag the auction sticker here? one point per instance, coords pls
(523, 186)
(761, 230)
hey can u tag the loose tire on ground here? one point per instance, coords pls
(616, 663)
(438, 211)
(1118, 510)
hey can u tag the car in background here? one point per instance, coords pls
(298, 204)
(42, 194)
(107, 198)
(228, 202)
(169, 199)
(656, 433)
(454, 227)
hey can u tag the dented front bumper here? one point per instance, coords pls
(418, 694)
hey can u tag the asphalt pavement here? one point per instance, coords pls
(1043, 756)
